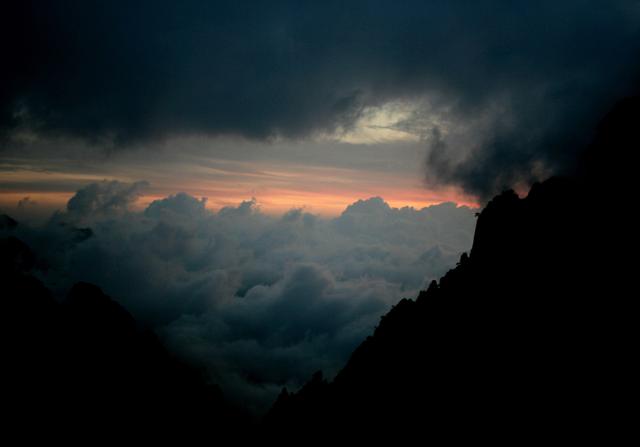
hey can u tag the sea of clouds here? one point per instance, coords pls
(258, 301)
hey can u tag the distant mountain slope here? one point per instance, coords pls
(531, 336)
(84, 370)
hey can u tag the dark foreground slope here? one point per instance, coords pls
(530, 336)
(83, 370)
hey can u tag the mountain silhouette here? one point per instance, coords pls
(529, 337)
(84, 370)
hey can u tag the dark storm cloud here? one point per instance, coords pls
(533, 74)
(259, 301)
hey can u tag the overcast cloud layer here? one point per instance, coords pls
(260, 301)
(500, 92)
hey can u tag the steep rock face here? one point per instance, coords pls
(530, 336)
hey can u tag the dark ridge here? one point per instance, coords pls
(84, 369)
(529, 337)
(7, 222)
(16, 255)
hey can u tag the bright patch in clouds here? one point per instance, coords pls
(378, 125)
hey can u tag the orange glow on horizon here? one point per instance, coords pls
(52, 200)
(276, 202)
(320, 190)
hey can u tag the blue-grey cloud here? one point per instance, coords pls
(104, 198)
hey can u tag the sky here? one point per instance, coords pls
(260, 181)
(302, 103)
